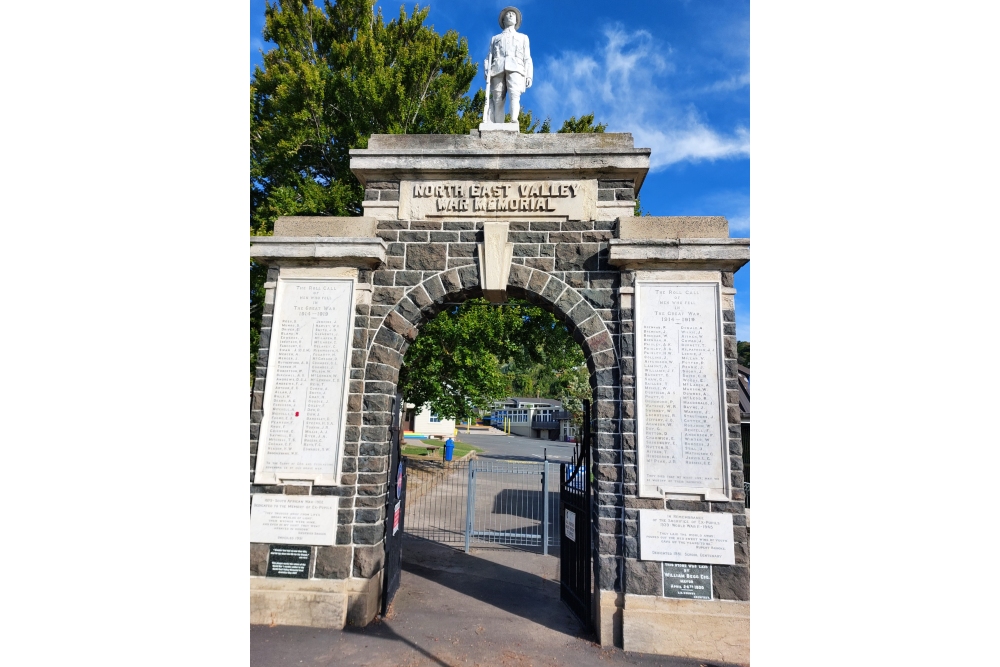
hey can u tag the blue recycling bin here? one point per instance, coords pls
(449, 449)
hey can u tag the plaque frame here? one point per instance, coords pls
(702, 493)
(317, 479)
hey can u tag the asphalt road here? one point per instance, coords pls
(516, 447)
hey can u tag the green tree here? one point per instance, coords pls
(336, 75)
(743, 352)
(477, 353)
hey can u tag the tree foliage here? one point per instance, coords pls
(743, 352)
(338, 73)
(476, 353)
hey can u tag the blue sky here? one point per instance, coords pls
(674, 73)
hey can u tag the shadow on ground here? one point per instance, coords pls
(495, 606)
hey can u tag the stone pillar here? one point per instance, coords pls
(342, 583)
(695, 251)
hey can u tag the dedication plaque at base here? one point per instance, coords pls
(680, 392)
(686, 537)
(687, 581)
(281, 519)
(305, 393)
(285, 560)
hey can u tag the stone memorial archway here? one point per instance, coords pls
(543, 217)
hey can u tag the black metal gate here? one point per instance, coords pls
(395, 509)
(575, 552)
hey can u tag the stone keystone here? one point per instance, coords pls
(495, 256)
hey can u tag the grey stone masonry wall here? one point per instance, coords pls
(382, 191)
(257, 393)
(559, 265)
(620, 190)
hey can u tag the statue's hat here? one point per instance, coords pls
(517, 13)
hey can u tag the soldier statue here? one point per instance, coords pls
(508, 68)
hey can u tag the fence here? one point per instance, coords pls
(485, 501)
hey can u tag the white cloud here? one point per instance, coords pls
(625, 83)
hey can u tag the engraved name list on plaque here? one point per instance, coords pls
(305, 393)
(681, 443)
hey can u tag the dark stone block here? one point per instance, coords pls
(519, 276)
(459, 225)
(468, 276)
(389, 236)
(451, 282)
(615, 183)
(541, 263)
(390, 224)
(471, 237)
(518, 226)
(731, 582)
(368, 534)
(371, 195)
(394, 263)
(258, 559)
(407, 278)
(426, 225)
(537, 283)
(547, 250)
(527, 237)
(444, 237)
(596, 237)
(577, 257)
(426, 257)
(564, 237)
(643, 577)
(296, 490)
(333, 562)
(607, 573)
(368, 560)
(545, 226)
(605, 195)
(553, 290)
(389, 196)
(567, 301)
(624, 194)
(409, 311)
(462, 250)
(688, 505)
(526, 250)
(392, 186)
(599, 298)
(413, 237)
(577, 225)
(434, 288)
(386, 296)
(727, 278)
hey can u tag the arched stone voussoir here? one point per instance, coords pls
(394, 321)
(409, 311)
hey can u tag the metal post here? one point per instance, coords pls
(470, 506)
(545, 506)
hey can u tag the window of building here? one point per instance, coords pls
(435, 418)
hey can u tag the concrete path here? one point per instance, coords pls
(517, 447)
(491, 607)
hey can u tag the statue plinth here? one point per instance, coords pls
(499, 127)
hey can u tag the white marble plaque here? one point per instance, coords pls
(280, 519)
(504, 200)
(305, 391)
(680, 390)
(686, 537)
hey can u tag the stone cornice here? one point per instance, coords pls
(318, 251)
(508, 156)
(715, 254)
